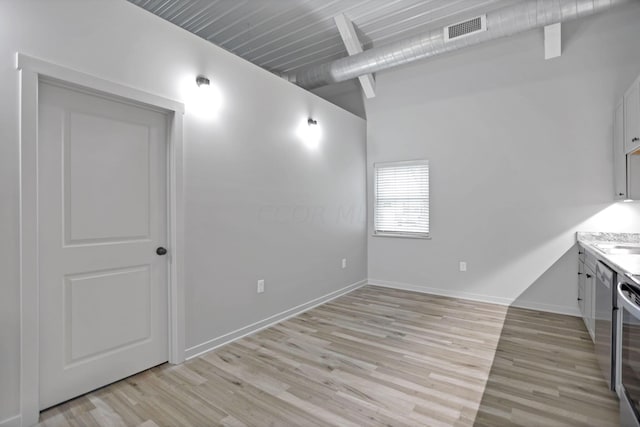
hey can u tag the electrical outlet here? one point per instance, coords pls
(344, 263)
(463, 266)
(260, 286)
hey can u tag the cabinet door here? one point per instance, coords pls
(589, 302)
(632, 118)
(619, 159)
(633, 175)
(581, 288)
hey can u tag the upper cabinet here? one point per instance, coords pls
(632, 118)
(626, 145)
(619, 160)
(633, 175)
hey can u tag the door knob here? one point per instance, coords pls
(161, 251)
(635, 139)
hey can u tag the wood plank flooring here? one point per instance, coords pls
(373, 357)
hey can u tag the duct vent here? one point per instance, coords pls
(465, 28)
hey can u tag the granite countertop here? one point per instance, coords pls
(597, 243)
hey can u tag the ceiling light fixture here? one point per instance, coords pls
(312, 122)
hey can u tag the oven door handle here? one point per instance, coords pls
(627, 303)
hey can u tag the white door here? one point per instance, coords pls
(102, 215)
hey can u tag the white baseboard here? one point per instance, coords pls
(11, 422)
(212, 344)
(207, 346)
(441, 292)
(550, 308)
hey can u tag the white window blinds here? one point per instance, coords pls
(401, 205)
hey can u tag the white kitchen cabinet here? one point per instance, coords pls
(619, 158)
(626, 145)
(581, 288)
(632, 118)
(587, 290)
(590, 301)
(633, 175)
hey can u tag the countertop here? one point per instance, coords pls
(622, 263)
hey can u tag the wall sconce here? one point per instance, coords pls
(204, 99)
(309, 132)
(202, 81)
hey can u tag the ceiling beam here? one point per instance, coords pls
(552, 41)
(352, 43)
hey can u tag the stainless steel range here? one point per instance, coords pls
(629, 387)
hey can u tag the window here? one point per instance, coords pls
(401, 199)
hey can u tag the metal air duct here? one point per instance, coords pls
(503, 22)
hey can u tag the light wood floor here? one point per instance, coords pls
(374, 357)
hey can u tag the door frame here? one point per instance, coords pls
(30, 71)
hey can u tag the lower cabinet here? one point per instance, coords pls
(581, 287)
(586, 292)
(590, 302)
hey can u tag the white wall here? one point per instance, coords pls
(259, 204)
(347, 95)
(521, 158)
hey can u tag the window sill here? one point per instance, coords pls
(402, 236)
